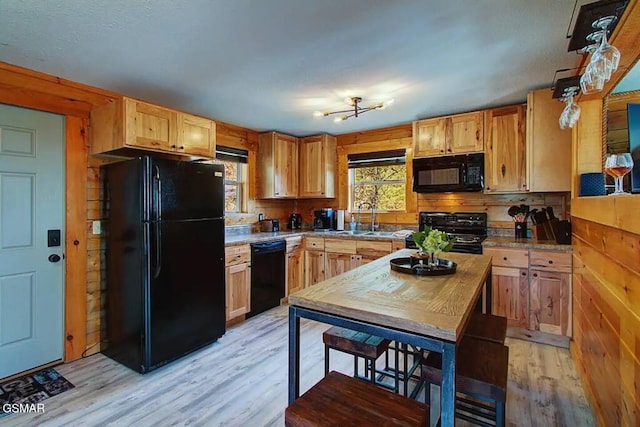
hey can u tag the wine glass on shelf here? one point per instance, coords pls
(608, 52)
(617, 166)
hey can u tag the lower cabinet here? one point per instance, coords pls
(532, 289)
(336, 263)
(295, 271)
(238, 283)
(314, 267)
(237, 274)
(510, 295)
(551, 302)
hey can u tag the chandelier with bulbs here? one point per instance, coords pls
(355, 109)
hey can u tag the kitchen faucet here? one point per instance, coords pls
(373, 214)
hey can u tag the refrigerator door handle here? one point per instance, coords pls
(158, 229)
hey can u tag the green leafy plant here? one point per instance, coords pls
(432, 241)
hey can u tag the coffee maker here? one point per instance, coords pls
(295, 221)
(324, 220)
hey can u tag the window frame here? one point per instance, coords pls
(351, 182)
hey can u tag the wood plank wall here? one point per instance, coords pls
(606, 301)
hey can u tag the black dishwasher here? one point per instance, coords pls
(267, 275)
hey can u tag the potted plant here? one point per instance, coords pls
(430, 243)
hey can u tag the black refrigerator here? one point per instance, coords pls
(164, 223)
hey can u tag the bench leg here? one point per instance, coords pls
(372, 369)
(500, 414)
(326, 360)
(355, 366)
(396, 385)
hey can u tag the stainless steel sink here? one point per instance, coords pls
(365, 233)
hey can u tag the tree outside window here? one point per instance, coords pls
(232, 186)
(378, 180)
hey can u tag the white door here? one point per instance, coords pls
(31, 204)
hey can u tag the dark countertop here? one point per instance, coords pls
(512, 242)
(244, 239)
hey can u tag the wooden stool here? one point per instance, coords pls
(487, 327)
(481, 372)
(339, 400)
(358, 344)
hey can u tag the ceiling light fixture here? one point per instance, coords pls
(356, 109)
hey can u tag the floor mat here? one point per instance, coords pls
(24, 393)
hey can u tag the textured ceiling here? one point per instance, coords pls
(268, 65)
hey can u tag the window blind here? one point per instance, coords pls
(229, 154)
(379, 158)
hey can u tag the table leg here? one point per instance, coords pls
(294, 355)
(448, 390)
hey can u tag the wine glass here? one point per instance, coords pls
(617, 166)
(609, 53)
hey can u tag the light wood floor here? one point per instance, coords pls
(242, 381)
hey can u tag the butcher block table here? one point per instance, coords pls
(424, 311)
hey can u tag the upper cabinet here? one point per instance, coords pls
(129, 123)
(289, 167)
(505, 151)
(277, 166)
(318, 166)
(548, 146)
(458, 134)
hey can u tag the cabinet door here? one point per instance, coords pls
(286, 166)
(548, 146)
(314, 267)
(318, 166)
(295, 271)
(196, 135)
(429, 137)
(336, 263)
(510, 295)
(467, 134)
(238, 286)
(149, 126)
(505, 169)
(551, 302)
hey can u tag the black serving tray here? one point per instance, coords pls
(403, 265)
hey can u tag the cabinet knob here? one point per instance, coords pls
(182, 147)
(535, 274)
(504, 258)
(449, 149)
(173, 146)
(524, 273)
(503, 169)
(550, 261)
(442, 151)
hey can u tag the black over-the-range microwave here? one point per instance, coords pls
(463, 172)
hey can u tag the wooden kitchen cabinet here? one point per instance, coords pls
(277, 166)
(548, 146)
(510, 295)
(505, 150)
(295, 271)
(314, 267)
(128, 123)
(196, 135)
(336, 263)
(550, 294)
(237, 281)
(318, 166)
(458, 134)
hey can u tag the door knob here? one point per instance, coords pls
(54, 258)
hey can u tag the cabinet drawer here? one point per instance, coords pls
(551, 261)
(237, 254)
(341, 246)
(312, 243)
(373, 248)
(293, 244)
(503, 257)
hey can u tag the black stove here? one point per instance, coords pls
(467, 229)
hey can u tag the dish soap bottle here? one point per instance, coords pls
(352, 224)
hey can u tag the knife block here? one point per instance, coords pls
(540, 232)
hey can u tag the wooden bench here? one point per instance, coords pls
(481, 373)
(358, 344)
(487, 327)
(340, 400)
